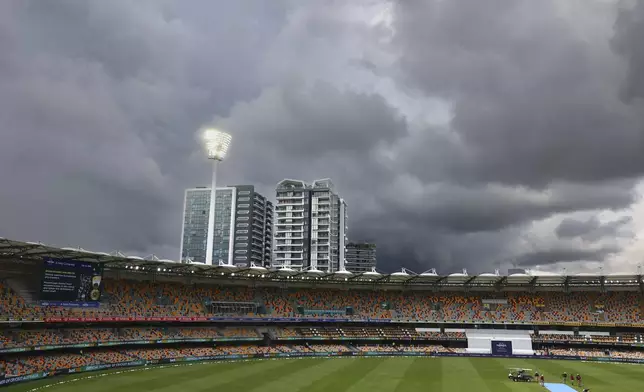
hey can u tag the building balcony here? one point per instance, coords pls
(300, 239)
(289, 250)
(291, 260)
(289, 196)
(284, 234)
(290, 226)
(296, 206)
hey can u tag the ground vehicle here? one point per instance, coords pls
(520, 375)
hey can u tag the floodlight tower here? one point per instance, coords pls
(217, 143)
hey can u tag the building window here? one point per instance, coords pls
(242, 238)
(242, 224)
(241, 251)
(241, 245)
(241, 231)
(242, 212)
(243, 205)
(244, 192)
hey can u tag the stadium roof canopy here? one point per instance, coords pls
(14, 250)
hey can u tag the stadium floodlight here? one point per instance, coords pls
(217, 144)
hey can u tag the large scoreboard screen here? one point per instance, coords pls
(71, 283)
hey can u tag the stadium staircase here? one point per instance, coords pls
(261, 331)
(261, 301)
(22, 290)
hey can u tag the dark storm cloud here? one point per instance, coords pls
(100, 102)
(533, 102)
(310, 121)
(309, 132)
(628, 43)
(98, 106)
(570, 228)
(564, 255)
(469, 210)
(422, 248)
(592, 229)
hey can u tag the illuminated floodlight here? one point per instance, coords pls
(217, 143)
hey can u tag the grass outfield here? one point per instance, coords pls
(386, 374)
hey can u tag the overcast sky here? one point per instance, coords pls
(461, 133)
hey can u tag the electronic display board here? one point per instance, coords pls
(71, 283)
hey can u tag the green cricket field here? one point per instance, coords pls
(350, 374)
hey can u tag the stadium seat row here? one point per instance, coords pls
(21, 338)
(123, 298)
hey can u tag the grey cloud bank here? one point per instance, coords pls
(100, 102)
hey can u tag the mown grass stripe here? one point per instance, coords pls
(423, 374)
(383, 378)
(208, 377)
(257, 380)
(350, 372)
(493, 373)
(296, 381)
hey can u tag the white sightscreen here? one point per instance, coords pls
(480, 341)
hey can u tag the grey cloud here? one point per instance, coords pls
(98, 105)
(145, 41)
(310, 121)
(532, 102)
(467, 210)
(302, 131)
(629, 29)
(554, 256)
(420, 248)
(570, 228)
(592, 230)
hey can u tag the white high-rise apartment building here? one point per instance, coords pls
(310, 226)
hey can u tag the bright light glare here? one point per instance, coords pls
(217, 143)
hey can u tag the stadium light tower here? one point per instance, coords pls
(217, 143)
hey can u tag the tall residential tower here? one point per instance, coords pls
(310, 227)
(361, 257)
(243, 226)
